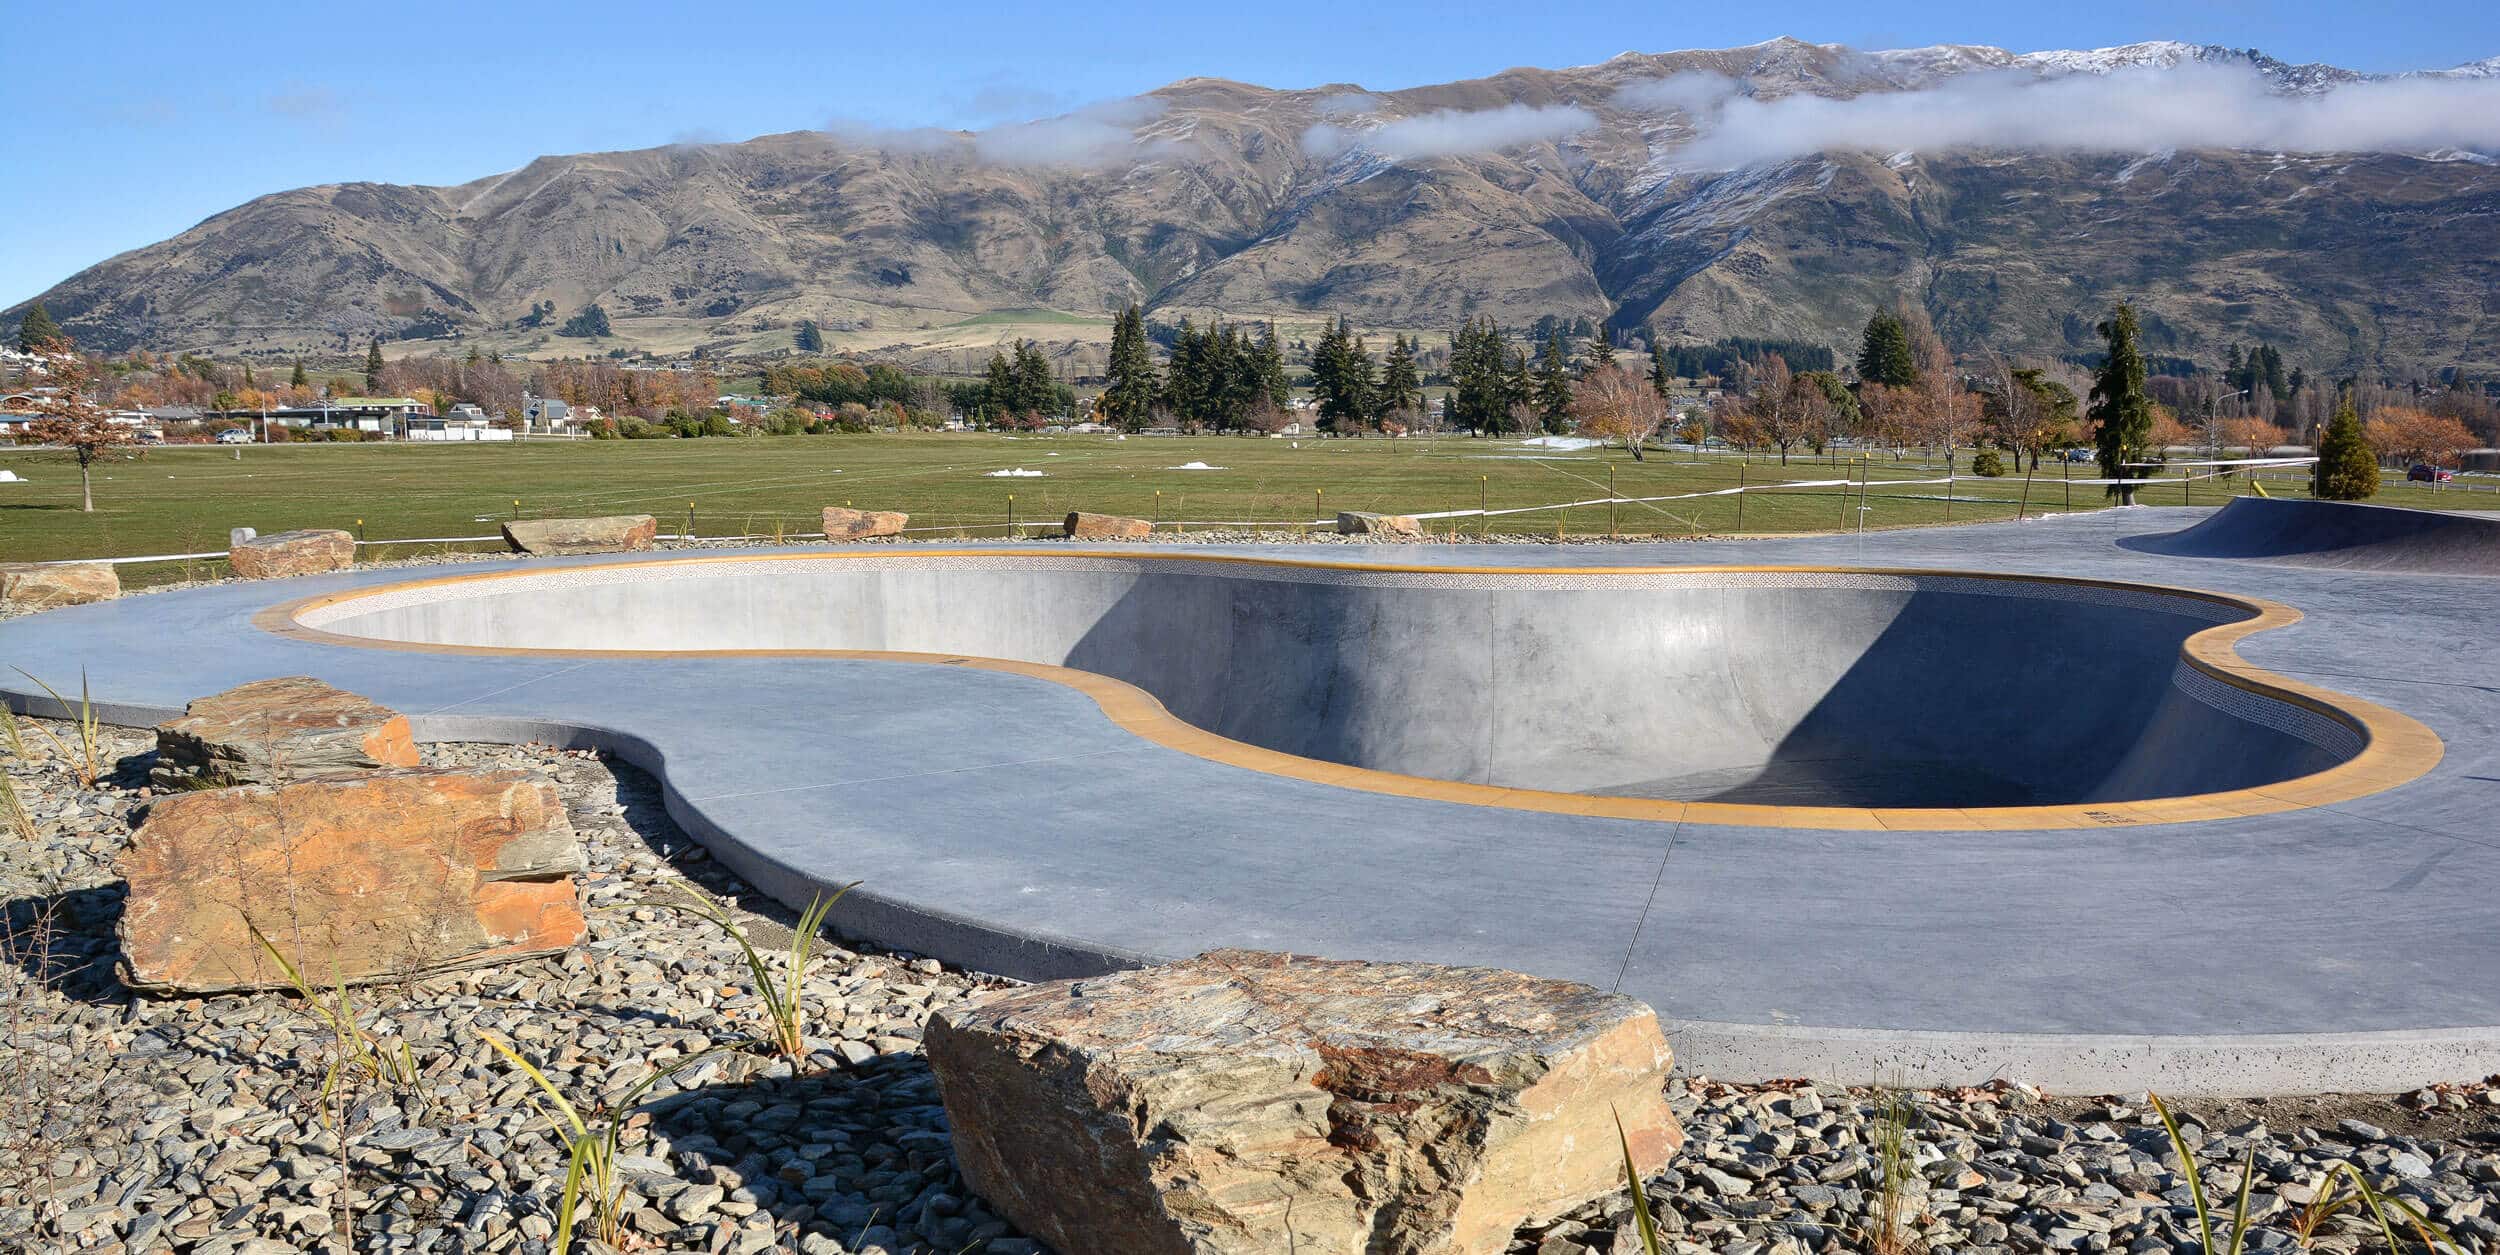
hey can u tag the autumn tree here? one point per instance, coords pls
(1776, 404)
(2122, 416)
(1611, 403)
(68, 419)
(2410, 435)
(2026, 410)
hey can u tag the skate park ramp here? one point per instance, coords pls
(2337, 534)
(1789, 687)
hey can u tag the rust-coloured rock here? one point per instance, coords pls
(1379, 526)
(1248, 1103)
(843, 523)
(43, 587)
(1083, 526)
(357, 878)
(275, 731)
(614, 533)
(309, 552)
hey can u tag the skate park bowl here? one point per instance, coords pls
(1756, 696)
(2337, 534)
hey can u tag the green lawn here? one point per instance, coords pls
(183, 499)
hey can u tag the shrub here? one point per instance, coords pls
(2347, 467)
(1987, 464)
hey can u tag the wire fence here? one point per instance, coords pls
(1856, 489)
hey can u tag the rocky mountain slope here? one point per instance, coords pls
(1530, 192)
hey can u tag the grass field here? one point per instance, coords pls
(183, 499)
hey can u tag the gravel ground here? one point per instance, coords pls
(201, 1124)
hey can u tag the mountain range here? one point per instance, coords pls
(1780, 190)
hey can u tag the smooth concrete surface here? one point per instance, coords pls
(1006, 822)
(2339, 534)
(1816, 688)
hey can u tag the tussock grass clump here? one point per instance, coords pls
(2401, 1225)
(353, 1048)
(87, 762)
(592, 1134)
(785, 1004)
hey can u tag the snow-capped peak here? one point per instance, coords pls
(2158, 53)
(2488, 67)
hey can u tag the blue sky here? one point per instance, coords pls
(129, 123)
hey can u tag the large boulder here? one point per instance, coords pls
(1244, 1102)
(1083, 526)
(276, 731)
(359, 878)
(844, 523)
(309, 552)
(614, 533)
(1379, 526)
(38, 587)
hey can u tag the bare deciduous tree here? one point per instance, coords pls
(73, 422)
(1612, 403)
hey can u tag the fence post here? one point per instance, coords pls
(2070, 486)
(1158, 518)
(1011, 516)
(360, 531)
(690, 520)
(2024, 505)
(1948, 484)
(1610, 501)
(1481, 517)
(1740, 498)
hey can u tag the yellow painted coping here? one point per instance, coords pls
(2397, 748)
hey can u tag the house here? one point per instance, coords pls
(464, 422)
(546, 414)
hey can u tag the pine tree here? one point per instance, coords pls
(1884, 354)
(998, 388)
(1129, 399)
(2347, 466)
(1661, 372)
(1401, 388)
(811, 339)
(1601, 349)
(2122, 416)
(373, 369)
(1338, 381)
(1184, 376)
(1036, 387)
(299, 379)
(1269, 361)
(1553, 386)
(39, 334)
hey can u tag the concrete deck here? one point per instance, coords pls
(1008, 822)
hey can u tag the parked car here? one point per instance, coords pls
(2425, 473)
(234, 435)
(2080, 455)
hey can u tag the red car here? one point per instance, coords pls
(2425, 473)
